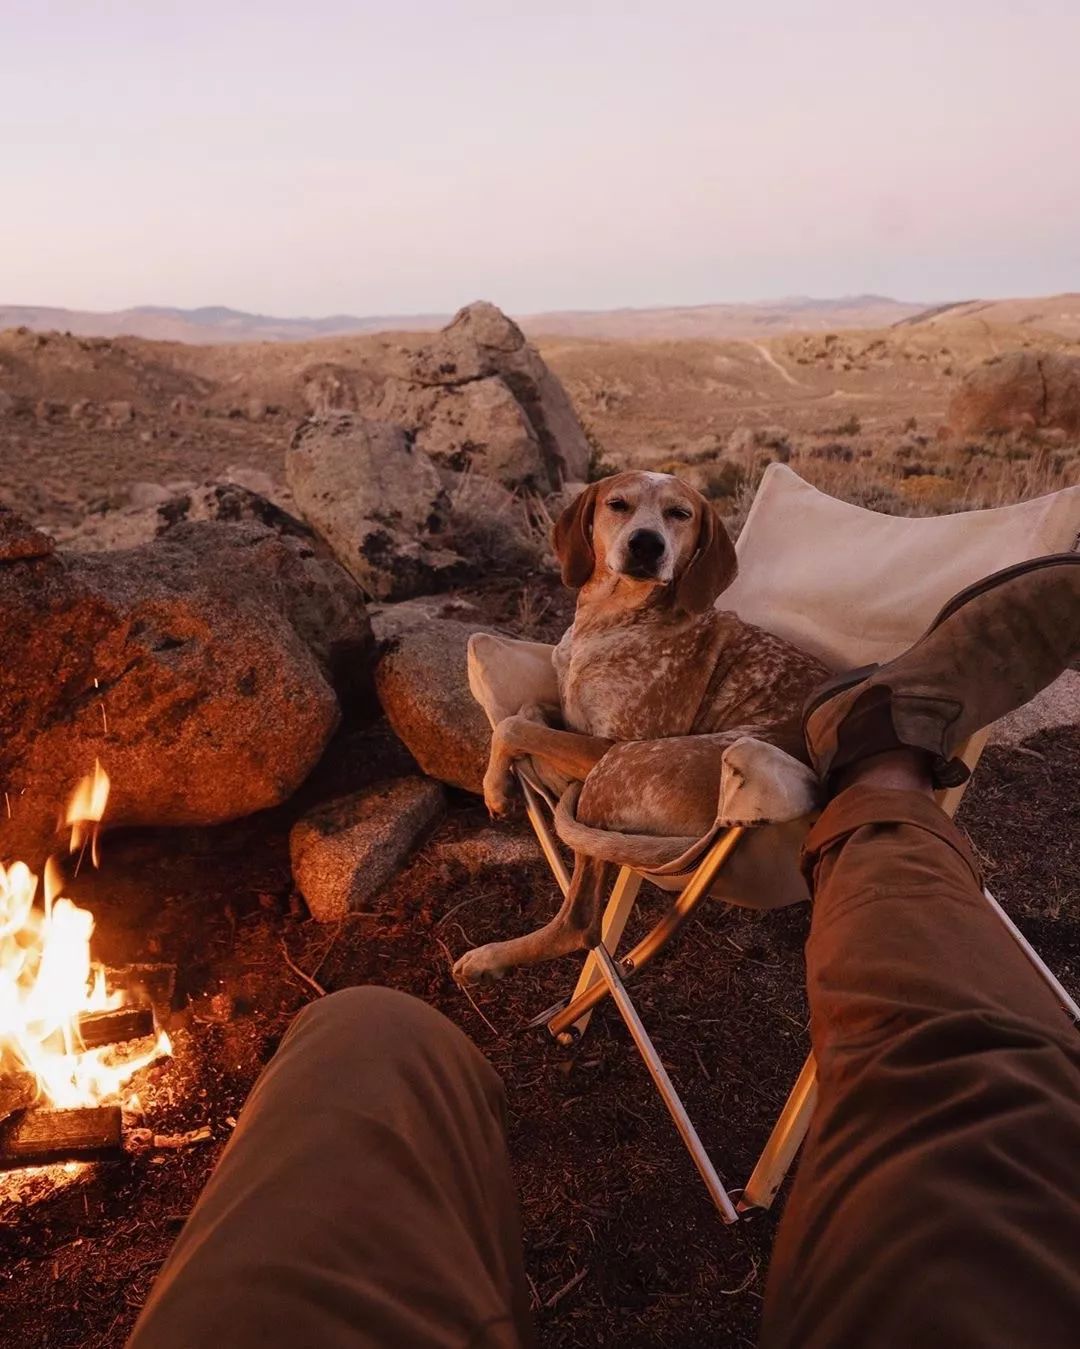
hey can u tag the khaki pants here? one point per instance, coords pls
(366, 1197)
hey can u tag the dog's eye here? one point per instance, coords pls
(617, 504)
(678, 513)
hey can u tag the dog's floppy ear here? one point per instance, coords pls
(572, 539)
(711, 569)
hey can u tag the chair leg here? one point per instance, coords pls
(534, 808)
(784, 1142)
(1045, 973)
(610, 974)
(634, 962)
(619, 906)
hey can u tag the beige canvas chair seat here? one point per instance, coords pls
(850, 586)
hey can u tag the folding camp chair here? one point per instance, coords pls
(851, 587)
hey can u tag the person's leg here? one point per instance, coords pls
(365, 1199)
(935, 1204)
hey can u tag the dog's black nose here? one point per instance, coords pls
(645, 546)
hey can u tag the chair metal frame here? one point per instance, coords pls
(603, 975)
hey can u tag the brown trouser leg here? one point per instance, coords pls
(365, 1199)
(936, 1202)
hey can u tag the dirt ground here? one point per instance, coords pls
(621, 1245)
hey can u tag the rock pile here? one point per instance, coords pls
(202, 642)
(376, 468)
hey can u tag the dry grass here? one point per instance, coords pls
(490, 524)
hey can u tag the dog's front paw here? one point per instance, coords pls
(480, 965)
(499, 795)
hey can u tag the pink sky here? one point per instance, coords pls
(408, 157)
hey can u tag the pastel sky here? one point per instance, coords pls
(318, 156)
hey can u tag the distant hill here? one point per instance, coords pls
(770, 318)
(215, 324)
(1058, 314)
(211, 324)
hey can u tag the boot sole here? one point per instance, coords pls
(840, 683)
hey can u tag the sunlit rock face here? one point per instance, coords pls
(200, 669)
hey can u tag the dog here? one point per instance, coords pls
(655, 682)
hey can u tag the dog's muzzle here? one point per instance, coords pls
(644, 550)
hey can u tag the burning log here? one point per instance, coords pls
(115, 1026)
(17, 1091)
(38, 1137)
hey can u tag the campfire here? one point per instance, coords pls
(71, 1037)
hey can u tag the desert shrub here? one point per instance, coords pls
(850, 426)
(737, 507)
(489, 524)
(745, 442)
(929, 489)
(833, 452)
(600, 466)
(719, 480)
(912, 424)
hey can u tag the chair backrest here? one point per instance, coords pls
(853, 586)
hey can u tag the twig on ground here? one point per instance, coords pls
(750, 1278)
(465, 990)
(567, 1287)
(311, 983)
(469, 899)
(329, 947)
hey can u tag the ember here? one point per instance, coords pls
(55, 1007)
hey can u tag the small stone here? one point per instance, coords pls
(345, 851)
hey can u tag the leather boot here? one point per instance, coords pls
(990, 650)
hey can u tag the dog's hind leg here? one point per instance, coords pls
(575, 927)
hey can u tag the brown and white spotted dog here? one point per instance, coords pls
(654, 681)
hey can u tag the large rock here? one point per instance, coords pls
(478, 425)
(345, 851)
(458, 391)
(423, 685)
(377, 501)
(1021, 391)
(154, 508)
(199, 669)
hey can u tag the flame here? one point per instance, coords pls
(86, 810)
(47, 978)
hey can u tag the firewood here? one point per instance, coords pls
(38, 1137)
(18, 1089)
(113, 1027)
